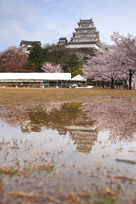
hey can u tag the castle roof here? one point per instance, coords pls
(25, 42)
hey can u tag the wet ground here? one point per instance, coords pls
(69, 152)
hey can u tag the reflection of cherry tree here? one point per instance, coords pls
(119, 120)
(33, 118)
(52, 107)
(14, 116)
(118, 115)
(57, 115)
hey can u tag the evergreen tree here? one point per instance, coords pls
(73, 65)
(37, 56)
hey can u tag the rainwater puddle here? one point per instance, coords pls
(68, 152)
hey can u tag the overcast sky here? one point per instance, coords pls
(48, 20)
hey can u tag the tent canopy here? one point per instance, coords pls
(35, 76)
(78, 78)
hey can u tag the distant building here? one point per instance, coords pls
(62, 41)
(26, 45)
(85, 36)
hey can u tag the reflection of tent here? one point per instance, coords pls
(78, 78)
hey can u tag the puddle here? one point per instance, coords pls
(67, 152)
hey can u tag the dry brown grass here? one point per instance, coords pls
(14, 96)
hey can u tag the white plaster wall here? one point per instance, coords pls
(81, 46)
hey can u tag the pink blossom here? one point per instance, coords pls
(51, 68)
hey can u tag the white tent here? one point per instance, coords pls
(35, 76)
(32, 78)
(78, 78)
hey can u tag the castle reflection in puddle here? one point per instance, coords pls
(83, 136)
(65, 145)
(84, 139)
(81, 121)
(63, 117)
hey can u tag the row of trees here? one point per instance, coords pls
(107, 64)
(57, 58)
(46, 59)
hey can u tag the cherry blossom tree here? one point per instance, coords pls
(51, 68)
(126, 45)
(112, 62)
(10, 51)
(104, 66)
(13, 59)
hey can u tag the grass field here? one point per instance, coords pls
(16, 96)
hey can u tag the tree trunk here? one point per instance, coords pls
(103, 85)
(125, 84)
(112, 83)
(130, 79)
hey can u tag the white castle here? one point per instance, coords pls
(85, 36)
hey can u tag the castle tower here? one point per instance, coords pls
(85, 35)
(62, 41)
